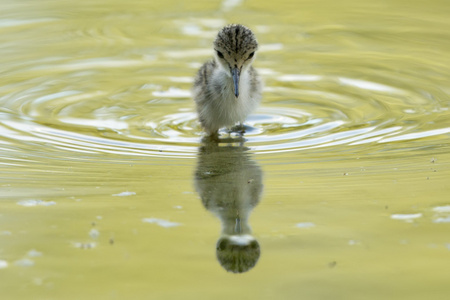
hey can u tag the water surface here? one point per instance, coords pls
(338, 190)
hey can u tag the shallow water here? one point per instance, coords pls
(340, 183)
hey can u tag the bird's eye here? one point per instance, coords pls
(219, 54)
(251, 55)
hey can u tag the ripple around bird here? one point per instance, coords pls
(294, 116)
(138, 103)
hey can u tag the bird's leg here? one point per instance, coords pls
(242, 142)
(214, 136)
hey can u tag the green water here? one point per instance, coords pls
(340, 184)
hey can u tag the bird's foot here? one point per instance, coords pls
(240, 129)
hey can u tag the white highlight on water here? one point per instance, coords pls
(406, 217)
(228, 5)
(442, 220)
(271, 47)
(97, 123)
(161, 222)
(417, 135)
(305, 225)
(25, 262)
(3, 264)
(188, 53)
(299, 77)
(34, 253)
(94, 233)
(173, 92)
(367, 85)
(33, 202)
(124, 194)
(442, 209)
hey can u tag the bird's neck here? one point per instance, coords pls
(235, 225)
(225, 80)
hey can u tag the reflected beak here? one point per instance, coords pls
(237, 226)
(235, 72)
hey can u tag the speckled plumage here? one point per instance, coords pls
(227, 89)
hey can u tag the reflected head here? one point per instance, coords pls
(237, 257)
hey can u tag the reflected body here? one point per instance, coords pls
(230, 186)
(227, 89)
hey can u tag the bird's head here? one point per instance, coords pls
(235, 48)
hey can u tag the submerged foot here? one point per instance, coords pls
(240, 128)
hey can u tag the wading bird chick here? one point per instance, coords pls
(227, 88)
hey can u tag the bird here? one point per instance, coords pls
(227, 88)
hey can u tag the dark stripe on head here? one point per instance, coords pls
(242, 39)
(230, 35)
(236, 43)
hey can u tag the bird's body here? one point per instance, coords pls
(227, 89)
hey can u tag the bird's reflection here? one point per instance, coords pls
(230, 184)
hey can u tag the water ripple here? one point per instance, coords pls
(296, 119)
(138, 102)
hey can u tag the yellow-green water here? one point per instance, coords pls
(344, 170)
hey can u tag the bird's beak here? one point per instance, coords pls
(235, 72)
